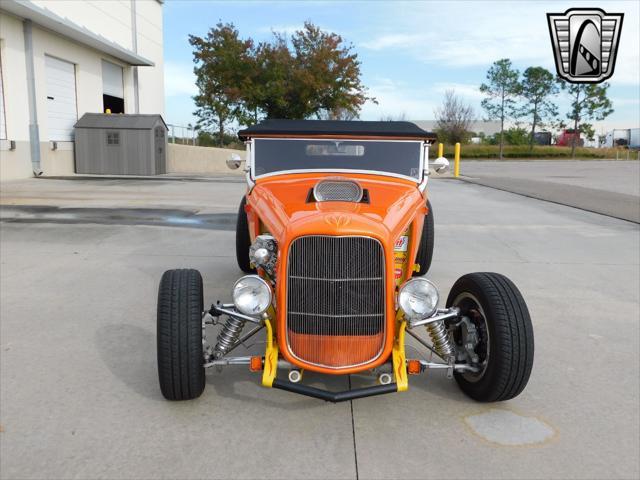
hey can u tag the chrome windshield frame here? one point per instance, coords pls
(252, 177)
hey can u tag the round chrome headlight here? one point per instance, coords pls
(418, 298)
(251, 295)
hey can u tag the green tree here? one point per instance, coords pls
(588, 102)
(537, 88)
(319, 76)
(327, 73)
(516, 136)
(310, 74)
(502, 90)
(222, 61)
(271, 95)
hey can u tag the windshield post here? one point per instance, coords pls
(425, 167)
(248, 164)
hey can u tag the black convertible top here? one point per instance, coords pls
(354, 128)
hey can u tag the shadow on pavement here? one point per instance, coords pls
(117, 216)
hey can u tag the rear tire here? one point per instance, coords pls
(243, 239)
(179, 335)
(425, 250)
(497, 306)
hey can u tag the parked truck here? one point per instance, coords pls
(623, 137)
(567, 137)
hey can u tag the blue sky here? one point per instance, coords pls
(411, 52)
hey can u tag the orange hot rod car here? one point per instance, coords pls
(336, 234)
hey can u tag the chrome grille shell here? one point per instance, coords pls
(336, 295)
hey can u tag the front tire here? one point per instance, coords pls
(505, 347)
(179, 335)
(243, 239)
(425, 250)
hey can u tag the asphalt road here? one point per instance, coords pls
(608, 187)
(79, 395)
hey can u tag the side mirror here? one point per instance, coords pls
(440, 165)
(234, 161)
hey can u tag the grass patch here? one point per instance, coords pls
(538, 152)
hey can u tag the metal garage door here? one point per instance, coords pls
(61, 99)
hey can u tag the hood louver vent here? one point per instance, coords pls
(337, 190)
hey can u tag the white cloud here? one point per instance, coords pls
(179, 79)
(290, 29)
(395, 100)
(393, 40)
(475, 34)
(286, 29)
(465, 90)
(619, 101)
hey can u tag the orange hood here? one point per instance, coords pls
(281, 204)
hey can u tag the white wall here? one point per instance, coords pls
(150, 45)
(188, 159)
(14, 163)
(14, 74)
(110, 19)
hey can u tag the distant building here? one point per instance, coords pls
(61, 59)
(487, 128)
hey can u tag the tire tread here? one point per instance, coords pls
(424, 257)
(513, 336)
(179, 335)
(243, 239)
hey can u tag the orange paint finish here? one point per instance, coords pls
(280, 204)
(336, 351)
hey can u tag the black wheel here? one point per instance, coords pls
(503, 349)
(425, 250)
(180, 356)
(243, 240)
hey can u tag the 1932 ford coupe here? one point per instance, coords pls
(336, 235)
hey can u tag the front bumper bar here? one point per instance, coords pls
(334, 397)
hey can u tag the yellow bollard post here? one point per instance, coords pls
(440, 150)
(456, 160)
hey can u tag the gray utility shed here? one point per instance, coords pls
(119, 144)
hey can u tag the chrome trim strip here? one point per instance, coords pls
(248, 165)
(338, 170)
(335, 279)
(425, 171)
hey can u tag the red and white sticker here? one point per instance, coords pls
(398, 273)
(401, 244)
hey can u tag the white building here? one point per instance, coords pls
(488, 128)
(60, 59)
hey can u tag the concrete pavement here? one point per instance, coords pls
(611, 188)
(79, 396)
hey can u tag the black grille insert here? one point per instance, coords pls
(336, 286)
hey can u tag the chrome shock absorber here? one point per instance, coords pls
(440, 338)
(228, 336)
